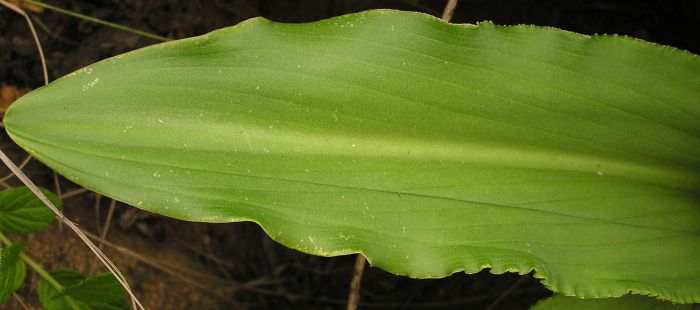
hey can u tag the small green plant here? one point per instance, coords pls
(22, 213)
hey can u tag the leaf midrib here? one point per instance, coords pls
(393, 192)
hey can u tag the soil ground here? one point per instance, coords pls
(180, 265)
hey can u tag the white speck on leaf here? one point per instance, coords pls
(91, 84)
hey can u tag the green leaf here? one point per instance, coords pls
(98, 292)
(428, 147)
(627, 302)
(12, 270)
(21, 212)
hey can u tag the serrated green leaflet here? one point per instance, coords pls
(22, 212)
(12, 270)
(99, 292)
(627, 302)
(431, 148)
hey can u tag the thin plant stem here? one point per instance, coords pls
(41, 272)
(98, 21)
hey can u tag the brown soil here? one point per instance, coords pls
(180, 265)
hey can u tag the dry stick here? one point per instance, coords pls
(176, 272)
(21, 165)
(98, 199)
(449, 10)
(57, 185)
(36, 38)
(206, 255)
(41, 57)
(50, 32)
(505, 293)
(97, 20)
(354, 296)
(20, 301)
(74, 192)
(101, 256)
(108, 221)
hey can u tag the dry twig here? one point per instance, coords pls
(21, 166)
(20, 301)
(36, 37)
(108, 222)
(74, 192)
(354, 296)
(449, 10)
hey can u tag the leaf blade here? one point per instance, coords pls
(631, 302)
(87, 292)
(430, 148)
(21, 212)
(12, 270)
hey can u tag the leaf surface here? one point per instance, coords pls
(21, 212)
(627, 302)
(12, 270)
(428, 147)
